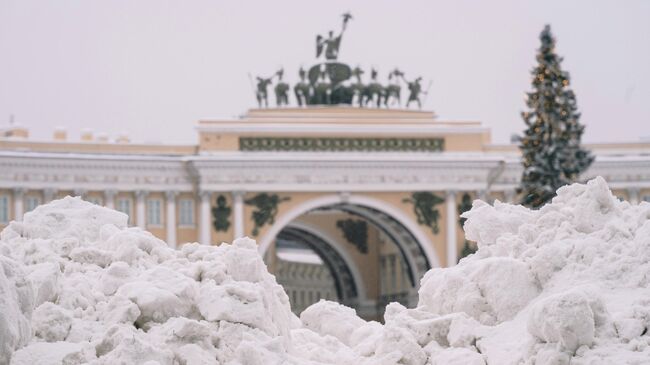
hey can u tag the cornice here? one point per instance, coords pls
(273, 172)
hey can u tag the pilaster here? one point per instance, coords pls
(238, 213)
(452, 216)
(170, 198)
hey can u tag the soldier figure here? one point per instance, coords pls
(416, 89)
(281, 90)
(262, 93)
(331, 44)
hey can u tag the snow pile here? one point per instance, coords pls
(567, 284)
(99, 292)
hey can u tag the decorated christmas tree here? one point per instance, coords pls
(551, 151)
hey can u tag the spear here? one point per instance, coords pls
(426, 93)
(250, 78)
(257, 97)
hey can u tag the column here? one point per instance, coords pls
(238, 213)
(204, 223)
(140, 218)
(633, 194)
(482, 194)
(170, 197)
(19, 203)
(510, 195)
(79, 192)
(48, 195)
(109, 198)
(452, 217)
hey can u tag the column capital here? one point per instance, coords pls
(171, 194)
(238, 193)
(141, 193)
(510, 195)
(110, 194)
(451, 193)
(19, 191)
(49, 194)
(633, 190)
(204, 194)
(79, 192)
(633, 194)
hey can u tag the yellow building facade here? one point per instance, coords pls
(375, 195)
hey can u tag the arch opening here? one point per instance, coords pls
(371, 258)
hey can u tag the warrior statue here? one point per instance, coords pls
(262, 93)
(281, 90)
(374, 92)
(332, 43)
(393, 89)
(301, 89)
(415, 89)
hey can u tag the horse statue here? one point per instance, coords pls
(374, 92)
(358, 88)
(393, 89)
(281, 90)
(302, 89)
(322, 89)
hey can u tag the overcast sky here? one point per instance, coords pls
(152, 68)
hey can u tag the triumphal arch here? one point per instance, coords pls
(374, 194)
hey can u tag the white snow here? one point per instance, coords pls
(303, 256)
(566, 284)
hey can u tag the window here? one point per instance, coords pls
(31, 202)
(154, 212)
(124, 206)
(4, 209)
(186, 212)
(95, 200)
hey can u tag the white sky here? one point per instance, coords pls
(152, 68)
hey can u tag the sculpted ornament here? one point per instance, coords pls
(355, 231)
(464, 206)
(266, 208)
(424, 208)
(332, 82)
(221, 215)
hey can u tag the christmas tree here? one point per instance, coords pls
(550, 147)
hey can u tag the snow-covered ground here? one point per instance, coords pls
(567, 284)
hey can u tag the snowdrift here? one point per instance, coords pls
(567, 284)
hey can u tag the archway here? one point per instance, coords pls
(386, 267)
(328, 200)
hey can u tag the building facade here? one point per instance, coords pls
(375, 194)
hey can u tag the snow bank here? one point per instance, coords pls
(91, 290)
(566, 284)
